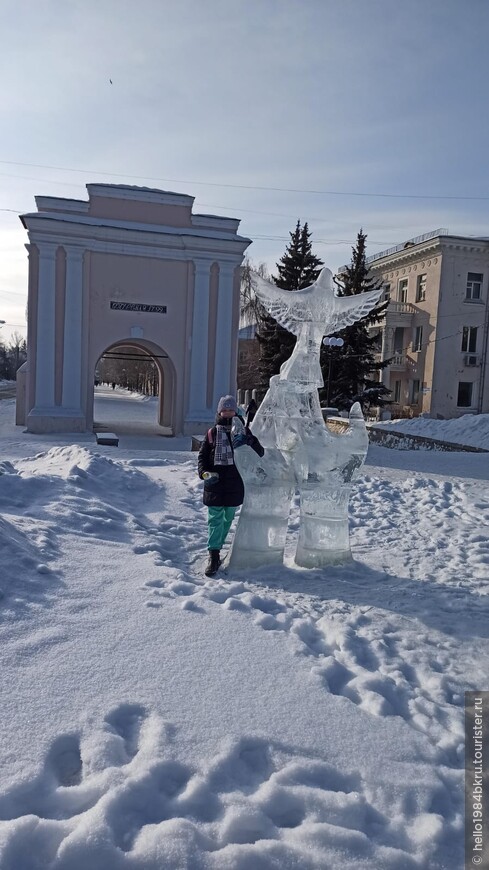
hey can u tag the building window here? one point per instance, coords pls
(418, 338)
(469, 339)
(387, 292)
(421, 288)
(464, 398)
(474, 284)
(414, 392)
(397, 392)
(402, 289)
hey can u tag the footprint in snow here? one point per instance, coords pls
(56, 791)
(253, 793)
(126, 721)
(149, 801)
(64, 760)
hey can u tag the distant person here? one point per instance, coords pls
(113, 386)
(251, 411)
(223, 485)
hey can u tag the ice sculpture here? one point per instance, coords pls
(301, 453)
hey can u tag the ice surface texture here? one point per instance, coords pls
(300, 452)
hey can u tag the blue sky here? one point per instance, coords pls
(344, 113)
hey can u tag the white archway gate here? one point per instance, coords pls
(130, 265)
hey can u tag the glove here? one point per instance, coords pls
(239, 440)
(210, 478)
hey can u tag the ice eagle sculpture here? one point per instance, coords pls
(301, 453)
(310, 314)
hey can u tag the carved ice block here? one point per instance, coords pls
(262, 525)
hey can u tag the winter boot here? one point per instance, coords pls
(213, 564)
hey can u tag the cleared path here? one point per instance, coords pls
(134, 419)
(7, 391)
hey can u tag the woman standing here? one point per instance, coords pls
(223, 485)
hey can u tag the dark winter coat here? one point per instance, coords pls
(229, 489)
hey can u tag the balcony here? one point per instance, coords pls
(399, 314)
(399, 363)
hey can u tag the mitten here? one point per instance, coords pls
(210, 478)
(239, 440)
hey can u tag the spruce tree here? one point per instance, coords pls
(297, 268)
(350, 371)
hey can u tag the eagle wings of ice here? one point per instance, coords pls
(310, 314)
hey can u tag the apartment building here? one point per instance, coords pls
(436, 327)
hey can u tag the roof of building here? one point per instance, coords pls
(442, 232)
(75, 211)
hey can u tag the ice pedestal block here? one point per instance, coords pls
(262, 525)
(324, 537)
(323, 533)
(262, 528)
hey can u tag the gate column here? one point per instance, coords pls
(72, 344)
(45, 330)
(197, 410)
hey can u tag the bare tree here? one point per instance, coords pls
(251, 310)
(251, 317)
(12, 356)
(17, 350)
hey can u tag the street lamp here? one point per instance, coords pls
(331, 342)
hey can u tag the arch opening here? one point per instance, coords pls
(134, 389)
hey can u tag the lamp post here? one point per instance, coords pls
(331, 342)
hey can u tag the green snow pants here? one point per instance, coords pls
(219, 520)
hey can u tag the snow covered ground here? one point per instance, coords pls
(470, 429)
(154, 719)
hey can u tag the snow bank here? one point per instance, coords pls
(471, 429)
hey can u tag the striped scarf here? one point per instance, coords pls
(223, 454)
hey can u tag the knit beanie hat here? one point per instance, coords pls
(227, 403)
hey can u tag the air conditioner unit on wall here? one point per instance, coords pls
(471, 359)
